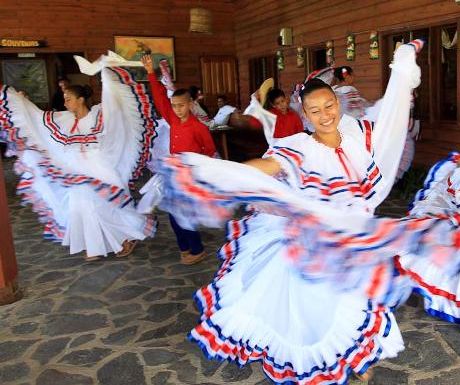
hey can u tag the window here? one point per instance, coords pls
(261, 68)
(316, 58)
(437, 97)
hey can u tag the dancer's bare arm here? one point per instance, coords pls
(267, 165)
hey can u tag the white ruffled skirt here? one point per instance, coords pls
(439, 289)
(258, 308)
(305, 288)
(80, 211)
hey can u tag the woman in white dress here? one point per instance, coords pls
(352, 102)
(440, 195)
(302, 327)
(76, 165)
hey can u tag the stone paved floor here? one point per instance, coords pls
(124, 322)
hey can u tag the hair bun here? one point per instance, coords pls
(312, 85)
(341, 71)
(88, 91)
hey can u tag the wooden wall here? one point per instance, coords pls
(89, 26)
(258, 22)
(245, 28)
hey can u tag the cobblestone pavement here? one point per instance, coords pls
(124, 321)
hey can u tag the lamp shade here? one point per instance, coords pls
(200, 20)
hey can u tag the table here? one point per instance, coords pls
(222, 131)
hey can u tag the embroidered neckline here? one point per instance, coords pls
(326, 146)
(57, 134)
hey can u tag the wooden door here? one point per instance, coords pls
(219, 76)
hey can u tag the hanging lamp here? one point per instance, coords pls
(200, 20)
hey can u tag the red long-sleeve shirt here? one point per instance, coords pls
(286, 124)
(188, 136)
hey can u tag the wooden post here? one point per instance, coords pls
(8, 266)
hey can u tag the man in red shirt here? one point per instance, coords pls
(288, 122)
(188, 134)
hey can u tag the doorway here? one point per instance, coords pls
(36, 74)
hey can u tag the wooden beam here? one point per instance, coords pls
(9, 291)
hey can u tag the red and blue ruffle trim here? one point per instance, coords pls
(316, 250)
(145, 110)
(331, 186)
(6, 123)
(58, 136)
(433, 177)
(52, 231)
(429, 292)
(215, 345)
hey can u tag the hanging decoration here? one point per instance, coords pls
(351, 47)
(300, 57)
(200, 20)
(330, 52)
(374, 45)
(280, 60)
(447, 43)
(445, 39)
(285, 37)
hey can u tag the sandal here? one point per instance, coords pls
(184, 255)
(192, 259)
(128, 248)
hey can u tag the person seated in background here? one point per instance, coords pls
(197, 95)
(288, 122)
(223, 114)
(198, 107)
(57, 103)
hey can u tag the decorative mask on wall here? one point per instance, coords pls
(330, 52)
(300, 57)
(280, 60)
(351, 47)
(374, 45)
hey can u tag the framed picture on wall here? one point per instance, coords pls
(28, 76)
(161, 49)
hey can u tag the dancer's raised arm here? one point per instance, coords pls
(390, 130)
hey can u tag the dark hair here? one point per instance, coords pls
(223, 97)
(80, 91)
(274, 94)
(63, 78)
(181, 92)
(340, 71)
(193, 91)
(314, 85)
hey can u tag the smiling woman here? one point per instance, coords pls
(309, 331)
(322, 109)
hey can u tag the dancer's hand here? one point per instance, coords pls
(147, 63)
